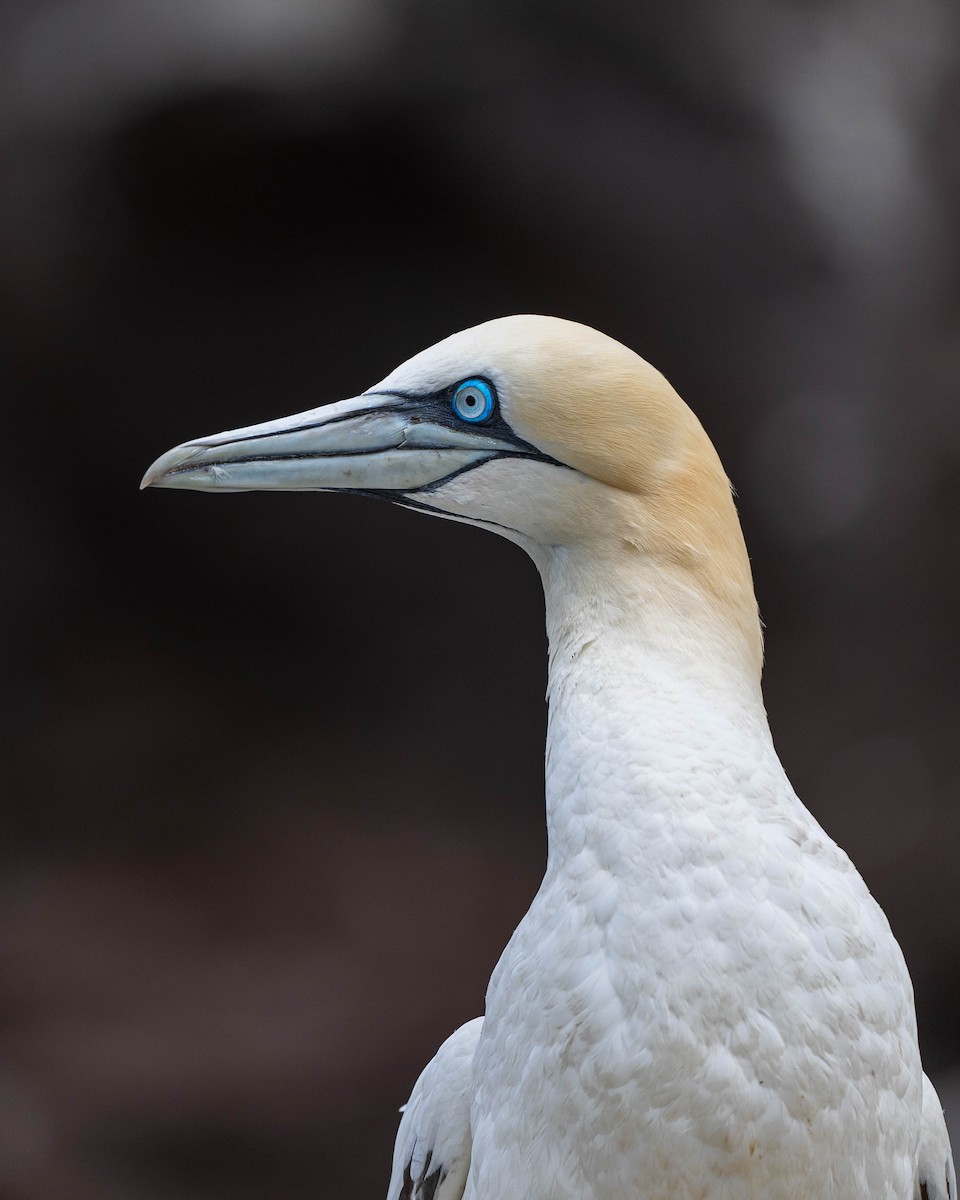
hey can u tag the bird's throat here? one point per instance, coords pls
(643, 708)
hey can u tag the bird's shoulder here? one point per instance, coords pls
(936, 1176)
(431, 1157)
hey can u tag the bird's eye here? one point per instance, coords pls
(473, 401)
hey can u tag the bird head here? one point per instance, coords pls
(543, 430)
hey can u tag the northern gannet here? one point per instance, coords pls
(703, 1002)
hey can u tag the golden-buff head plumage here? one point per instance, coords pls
(593, 463)
(593, 404)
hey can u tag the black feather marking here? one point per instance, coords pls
(406, 1192)
(425, 1186)
(428, 1188)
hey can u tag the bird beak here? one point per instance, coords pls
(372, 443)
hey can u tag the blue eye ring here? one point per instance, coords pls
(473, 401)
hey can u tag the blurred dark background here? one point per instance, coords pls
(271, 807)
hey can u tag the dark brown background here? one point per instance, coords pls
(272, 766)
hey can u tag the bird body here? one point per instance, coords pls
(726, 1001)
(703, 1002)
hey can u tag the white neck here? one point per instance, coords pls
(650, 690)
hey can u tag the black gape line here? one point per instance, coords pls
(403, 500)
(437, 408)
(426, 488)
(432, 407)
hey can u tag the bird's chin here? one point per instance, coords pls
(539, 504)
